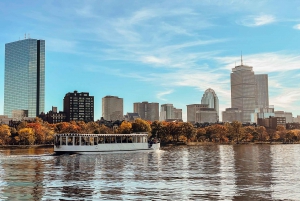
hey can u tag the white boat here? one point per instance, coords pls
(75, 143)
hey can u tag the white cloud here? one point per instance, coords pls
(264, 62)
(254, 21)
(161, 94)
(297, 26)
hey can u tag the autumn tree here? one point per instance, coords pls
(200, 134)
(187, 130)
(4, 134)
(236, 131)
(27, 136)
(157, 128)
(125, 127)
(140, 125)
(262, 132)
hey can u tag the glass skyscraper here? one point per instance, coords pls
(24, 85)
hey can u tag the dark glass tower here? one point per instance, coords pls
(24, 84)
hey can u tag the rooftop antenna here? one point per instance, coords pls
(241, 58)
(28, 35)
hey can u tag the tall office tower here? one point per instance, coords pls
(79, 107)
(166, 112)
(210, 97)
(112, 108)
(24, 83)
(147, 111)
(243, 91)
(261, 91)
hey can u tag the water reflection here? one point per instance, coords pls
(219, 172)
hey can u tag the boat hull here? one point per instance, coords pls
(106, 149)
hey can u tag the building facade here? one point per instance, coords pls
(147, 111)
(288, 116)
(177, 113)
(79, 107)
(24, 82)
(201, 113)
(243, 91)
(261, 91)
(166, 112)
(232, 114)
(112, 108)
(210, 97)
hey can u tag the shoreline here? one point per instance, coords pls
(25, 146)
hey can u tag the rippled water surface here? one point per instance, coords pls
(219, 172)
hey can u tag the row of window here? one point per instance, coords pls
(88, 141)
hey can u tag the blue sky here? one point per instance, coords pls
(158, 51)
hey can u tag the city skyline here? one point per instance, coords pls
(164, 52)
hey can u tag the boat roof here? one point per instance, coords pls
(97, 135)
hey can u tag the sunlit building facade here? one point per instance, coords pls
(112, 108)
(147, 111)
(24, 82)
(243, 88)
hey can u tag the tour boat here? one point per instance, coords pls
(76, 143)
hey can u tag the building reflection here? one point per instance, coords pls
(22, 179)
(253, 172)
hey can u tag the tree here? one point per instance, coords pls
(26, 135)
(236, 131)
(140, 125)
(200, 134)
(157, 128)
(261, 130)
(188, 130)
(4, 134)
(125, 128)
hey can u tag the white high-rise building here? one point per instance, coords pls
(112, 108)
(210, 97)
(243, 89)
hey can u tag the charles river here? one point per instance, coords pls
(216, 172)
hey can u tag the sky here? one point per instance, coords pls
(158, 51)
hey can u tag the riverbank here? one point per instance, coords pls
(25, 146)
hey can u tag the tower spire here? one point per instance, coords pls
(241, 58)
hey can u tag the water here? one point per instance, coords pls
(219, 172)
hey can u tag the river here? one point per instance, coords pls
(217, 172)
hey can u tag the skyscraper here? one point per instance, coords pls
(243, 91)
(79, 106)
(166, 112)
(112, 108)
(147, 111)
(210, 97)
(261, 91)
(24, 82)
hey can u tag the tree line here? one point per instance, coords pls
(39, 132)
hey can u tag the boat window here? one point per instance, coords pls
(101, 140)
(134, 139)
(91, 141)
(124, 139)
(113, 139)
(95, 140)
(85, 140)
(118, 139)
(129, 139)
(57, 140)
(70, 140)
(77, 140)
(107, 139)
(138, 139)
(63, 140)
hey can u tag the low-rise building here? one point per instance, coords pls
(232, 114)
